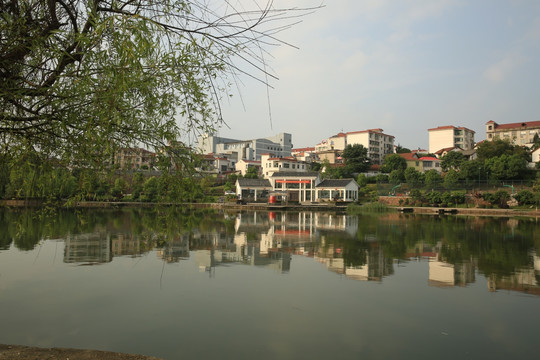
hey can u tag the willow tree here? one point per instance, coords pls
(80, 77)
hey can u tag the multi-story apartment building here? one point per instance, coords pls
(375, 141)
(522, 133)
(134, 158)
(280, 145)
(449, 136)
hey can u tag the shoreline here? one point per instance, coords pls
(534, 213)
(20, 352)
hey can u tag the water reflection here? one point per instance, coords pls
(366, 248)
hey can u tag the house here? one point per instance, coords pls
(430, 163)
(337, 189)
(271, 164)
(243, 165)
(442, 152)
(307, 154)
(412, 160)
(421, 164)
(450, 136)
(215, 164)
(469, 154)
(253, 189)
(521, 133)
(332, 156)
(300, 185)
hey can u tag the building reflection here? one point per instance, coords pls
(524, 280)
(88, 249)
(359, 248)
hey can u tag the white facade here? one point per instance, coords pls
(375, 141)
(450, 136)
(271, 164)
(337, 189)
(280, 145)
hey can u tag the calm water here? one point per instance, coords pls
(256, 285)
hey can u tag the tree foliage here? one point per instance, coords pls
(452, 160)
(79, 77)
(393, 162)
(356, 158)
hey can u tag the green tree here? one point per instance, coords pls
(362, 180)
(506, 167)
(356, 159)
(414, 178)
(396, 177)
(252, 173)
(452, 160)
(494, 148)
(79, 78)
(402, 150)
(451, 179)
(432, 179)
(393, 162)
(150, 189)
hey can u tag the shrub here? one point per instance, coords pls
(525, 197)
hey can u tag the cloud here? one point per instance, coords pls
(500, 70)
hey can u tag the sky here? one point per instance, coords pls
(400, 65)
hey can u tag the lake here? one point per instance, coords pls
(177, 283)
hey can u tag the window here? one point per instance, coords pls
(286, 165)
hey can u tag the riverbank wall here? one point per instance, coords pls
(472, 211)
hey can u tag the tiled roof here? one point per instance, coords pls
(447, 150)
(448, 127)
(334, 183)
(429, 158)
(409, 156)
(254, 182)
(517, 125)
(303, 149)
(295, 174)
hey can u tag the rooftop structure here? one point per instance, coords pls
(521, 133)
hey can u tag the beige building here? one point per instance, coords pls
(134, 158)
(450, 136)
(375, 141)
(244, 165)
(517, 133)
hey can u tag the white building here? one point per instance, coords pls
(450, 136)
(378, 144)
(280, 145)
(271, 164)
(375, 141)
(337, 189)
